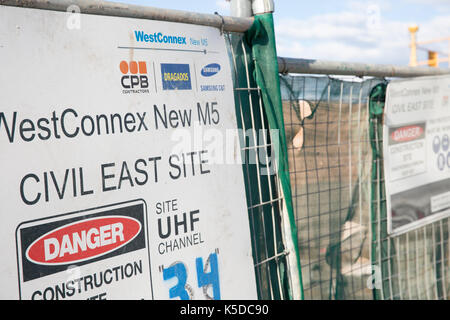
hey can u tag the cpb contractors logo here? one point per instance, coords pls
(134, 77)
(176, 76)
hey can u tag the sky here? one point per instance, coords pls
(346, 30)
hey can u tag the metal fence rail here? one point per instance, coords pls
(116, 9)
(308, 66)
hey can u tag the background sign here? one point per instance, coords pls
(416, 152)
(108, 189)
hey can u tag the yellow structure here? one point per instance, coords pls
(433, 57)
(413, 56)
(433, 60)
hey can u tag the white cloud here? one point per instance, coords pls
(361, 35)
(428, 2)
(223, 6)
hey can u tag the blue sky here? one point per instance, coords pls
(348, 30)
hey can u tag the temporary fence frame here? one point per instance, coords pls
(264, 196)
(241, 25)
(274, 277)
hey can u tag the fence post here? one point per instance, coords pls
(241, 8)
(261, 37)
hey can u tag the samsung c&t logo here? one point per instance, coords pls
(137, 81)
(210, 69)
(176, 76)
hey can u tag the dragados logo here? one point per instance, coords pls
(210, 69)
(175, 76)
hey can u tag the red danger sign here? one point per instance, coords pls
(406, 133)
(83, 240)
(107, 246)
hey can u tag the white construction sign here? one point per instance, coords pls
(416, 150)
(112, 184)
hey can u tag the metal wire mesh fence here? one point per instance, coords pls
(336, 170)
(326, 123)
(264, 196)
(413, 265)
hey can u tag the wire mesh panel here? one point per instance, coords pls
(326, 122)
(264, 196)
(413, 265)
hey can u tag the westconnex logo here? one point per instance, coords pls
(175, 76)
(158, 37)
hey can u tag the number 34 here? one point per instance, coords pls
(204, 279)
